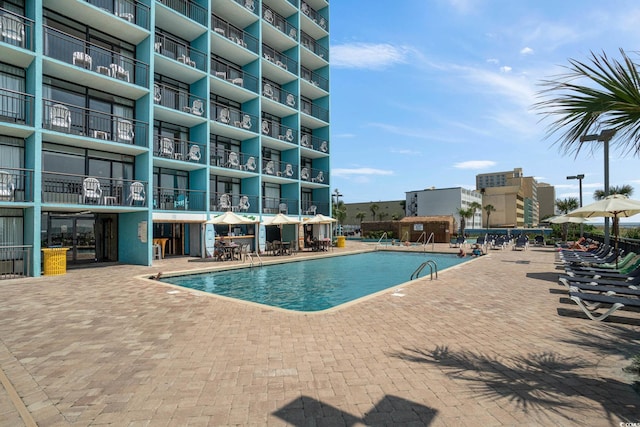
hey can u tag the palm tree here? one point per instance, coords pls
(475, 207)
(610, 99)
(565, 206)
(360, 216)
(339, 212)
(625, 190)
(488, 209)
(374, 209)
(464, 214)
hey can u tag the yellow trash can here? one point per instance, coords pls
(340, 242)
(55, 261)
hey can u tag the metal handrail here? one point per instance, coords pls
(384, 236)
(432, 266)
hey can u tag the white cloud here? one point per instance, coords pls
(345, 135)
(359, 172)
(493, 61)
(475, 164)
(406, 151)
(505, 69)
(526, 51)
(368, 55)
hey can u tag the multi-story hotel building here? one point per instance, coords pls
(125, 121)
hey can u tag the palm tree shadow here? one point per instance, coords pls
(533, 382)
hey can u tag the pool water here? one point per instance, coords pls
(315, 284)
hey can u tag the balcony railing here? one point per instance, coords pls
(319, 176)
(76, 120)
(175, 199)
(72, 50)
(277, 130)
(279, 168)
(179, 100)
(310, 43)
(177, 149)
(17, 185)
(16, 30)
(15, 261)
(313, 207)
(279, 58)
(189, 9)
(235, 34)
(223, 202)
(314, 78)
(234, 117)
(279, 22)
(230, 159)
(313, 142)
(132, 11)
(68, 189)
(314, 15)
(249, 5)
(234, 75)
(16, 107)
(172, 48)
(313, 110)
(276, 93)
(271, 205)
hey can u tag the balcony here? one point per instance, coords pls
(234, 34)
(183, 53)
(234, 117)
(191, 10)
(94, 58)
(279, 59)
(309, 43)
(315, 176)
(15, 261)
(177, 149)
(233, 160)
(276, 93)
(16, 30)
(223, 202)
(279, 169)
(16, 107)
(175, 199)
(314, 143)
(279, 22)
(313, 15)
(250, 5)
(279, 131)
(234, 76)
(74, 120)
(271, 205)
(68, 189)
(131, 11)
(178, 100)
(314, 78)
(16, 185)
(314, 110)
(314, 207)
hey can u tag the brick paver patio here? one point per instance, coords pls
(493, 342)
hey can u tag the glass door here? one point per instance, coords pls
(74, 233)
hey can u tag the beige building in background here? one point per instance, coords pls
(508, 202)
(521, 206)
(546, 200)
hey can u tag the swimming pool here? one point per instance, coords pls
(315, 284)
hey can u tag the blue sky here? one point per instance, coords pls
(432, 92)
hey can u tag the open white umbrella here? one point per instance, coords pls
(232, 218)
(281, 219)
(563, 219)
(614, 206)
(320, 219)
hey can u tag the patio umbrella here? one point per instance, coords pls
(280, 220)
(320, 219)
(563, 219)
(614, 206)
(231, 218)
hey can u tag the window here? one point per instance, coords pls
(12, 86)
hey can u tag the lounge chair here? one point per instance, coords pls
(633, 282)
(590, 302)
(522, 242)
(606, 290)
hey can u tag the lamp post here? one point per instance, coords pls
(579, 178)
(336, 195)
(604, 137)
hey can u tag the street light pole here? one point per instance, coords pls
(604, 137)
(579, 178)
(337, 195)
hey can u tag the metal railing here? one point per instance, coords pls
(432, 266)
(279, 22)
(222, 202)
(276, 93)
(231, 159)
(132, 11)
(76, 120)
(314, 78)
(178, 99)
(310, 43)
(78, 52)
(235, 34)
(175, 199)
(231, 116)
(250, 5)
(309, 141)
(278, 130)
(189, 9)
(279, 168)
(234, 75)
(319, 176)
(18, 185)
(280, 59)
(172, 48)
(16, 107)
(314, 110)
(179, 149)
(69, 189)
(272, 205)
(15, 261)
(17, 30)
(314, 15)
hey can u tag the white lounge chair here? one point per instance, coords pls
(60, 117)
(125, 130)
(166, 148)
(91, 190)
(7, 187)
(136, 193)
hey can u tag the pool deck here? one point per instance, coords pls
(493, 342)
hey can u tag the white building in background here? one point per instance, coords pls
(444, 201)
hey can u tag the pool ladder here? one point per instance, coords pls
(250, 256)
(432, 266)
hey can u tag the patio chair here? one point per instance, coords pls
(12, 30)
(324, 146)
(311, 210)
(166, 148)
(224, 116)
(224, 202)
(304, 174)
(233, 160)
(60, 117)
(91, 191)
(249, 4)
(119, 72)
(243, 204)
(197, 108)
(250, 165)
(269, 168)
(304, 8)
(157, 94)
(291, 100)
(590, 302)
(288, 135)
(522, 242)
(246, 121)
(267, 91)
(304, 141)
(7, 187)
(288, 170)
(265, 127)
(125, 130)
(136, 193)
(283, 208)
(194, 153)
(319, 178)
(268, 16)
(82, 59)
